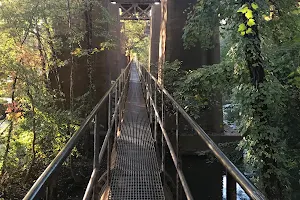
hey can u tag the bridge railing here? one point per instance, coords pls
(114, 98)
(156, 97)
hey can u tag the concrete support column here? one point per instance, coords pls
(162, 39)
(154, 37)
(124, 58)
(171, 47)
(101, 71)
(114, 55)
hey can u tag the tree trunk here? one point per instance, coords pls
(72, 69)
(88, 38)
(54, 58)
(72, 62)
(34, 137)
(42, 54)
(255, 66)
(11, 126)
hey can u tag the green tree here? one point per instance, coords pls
(137, 40)
(39, 38)
(255, 31)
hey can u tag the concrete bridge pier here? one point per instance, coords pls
(171, 48)
(113, 56)
(116, 59)
(154, 37)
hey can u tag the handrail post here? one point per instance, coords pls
(96, 142)
(109, 141)
(119, 87)
(109, 111)
(116, 102)
(120, 97)
(150, 91)
(96, 163)
(162, 139)
(121, 90)
(178, 194)
(123, 81)
(155, 118)
(147, 93)
(47, 193)
(108, 161)
(230, 187)
(145, 84)
(150, 107)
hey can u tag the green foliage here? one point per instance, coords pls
(173, 76)
(38, 39)
(137, 41)
(248, 13)
(261, 50)
(203, 20)
(195, 89)
(265, 143)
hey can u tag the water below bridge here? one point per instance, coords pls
(207, 180)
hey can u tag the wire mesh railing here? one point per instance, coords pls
(158, 100)
(114, 99)
(156, 97)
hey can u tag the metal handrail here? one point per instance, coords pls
(65, 152)
(248, 187)
(169, 144)
(89, 189)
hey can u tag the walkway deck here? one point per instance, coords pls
(136, 173)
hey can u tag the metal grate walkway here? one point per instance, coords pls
(135, 174)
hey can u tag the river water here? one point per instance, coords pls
(207, 181)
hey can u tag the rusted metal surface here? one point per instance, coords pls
(135, 11)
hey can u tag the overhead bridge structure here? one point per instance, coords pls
(135, 9)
